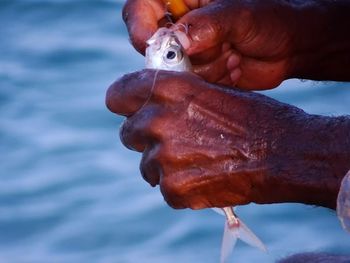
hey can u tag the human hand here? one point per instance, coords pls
(242, 43)
(248, 44)
(255, 44)
(209, 146)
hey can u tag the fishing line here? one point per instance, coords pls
(151, 92)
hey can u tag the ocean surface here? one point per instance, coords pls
(70, 192)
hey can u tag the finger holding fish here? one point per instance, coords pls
(199, 154)
(142, 17)
(130, 92)
(205, 148)
(142, 25)
(215, 71)
(237, 132)
(211, 64)
(179, 134)
(200, 150)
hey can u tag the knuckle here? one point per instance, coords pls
(155, 124)
(175, 205)
(136, 40)
(175, 87)
(109, 101)
(149, 168)
(198, 204)
(178, 195)
(126, 10)
(171, 195)
(154, 157)
(120, 96)
(112, 99)
(172, 188)
(153, 163)
(132, 135)
(143, 127)
(127, 135)
(205, 25)
(129, 15)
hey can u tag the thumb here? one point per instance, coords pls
(206, 28)
(128, 94)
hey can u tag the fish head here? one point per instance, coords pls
(165, 52)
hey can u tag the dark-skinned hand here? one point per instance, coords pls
(209, 146)
(255, 44)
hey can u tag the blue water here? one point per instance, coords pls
(70, 192)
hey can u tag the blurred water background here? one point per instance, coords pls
(70, 192)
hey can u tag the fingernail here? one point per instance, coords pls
(183, 39)
(233, 62)
(235, 75)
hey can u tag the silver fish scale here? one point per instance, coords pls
(159, 45)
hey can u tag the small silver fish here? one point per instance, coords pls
(235, 229)
(165, 52)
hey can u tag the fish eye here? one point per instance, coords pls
(170, 54)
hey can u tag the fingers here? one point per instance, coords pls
(141, 18)
(233, 64)
(131, 92)
(128, 94)
(185, 129)
(150, 166)
(145, 97)
(225, 69)
(258, 75)
(141, 129)
(233, 61)
(215, 70)
(206, 28)
(208, 55)
(204, 187)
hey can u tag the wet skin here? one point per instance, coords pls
(212, 146)
(256, 44)
(270, 152)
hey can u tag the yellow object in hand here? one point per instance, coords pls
(177, 8)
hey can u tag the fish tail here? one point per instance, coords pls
(229, 240)
(242, 232)
(247, 236)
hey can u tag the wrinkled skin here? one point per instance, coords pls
(209, 146)
(255, 44)
(232, 42)
(274, 153)
(206, 145)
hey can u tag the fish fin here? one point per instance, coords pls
(247, 236)
(229, 240)
(218, 210)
